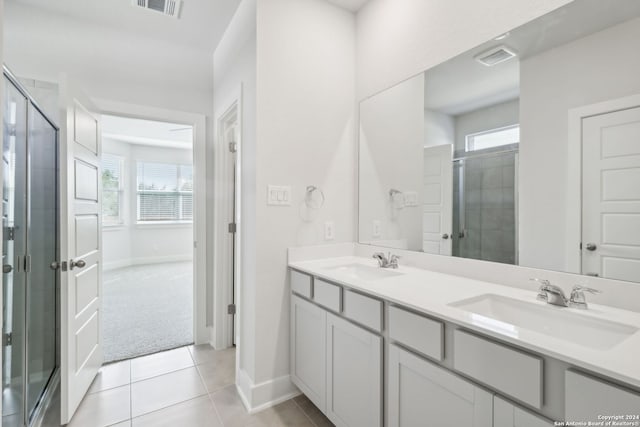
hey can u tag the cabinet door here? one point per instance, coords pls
(506, 414)
(354, 375)
(308, 349)
(422, 394)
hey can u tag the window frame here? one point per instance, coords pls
(468, 139)
(120, 191)
(181, 194)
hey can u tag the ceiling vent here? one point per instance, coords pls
(495, 56)
(166, 7)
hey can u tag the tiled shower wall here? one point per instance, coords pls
(488, 208)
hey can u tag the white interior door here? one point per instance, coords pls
(81, 347)
(437, 214)
(611, 195)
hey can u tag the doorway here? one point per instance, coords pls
(147, 233)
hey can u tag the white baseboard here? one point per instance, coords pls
(257, 397)
(146, 260)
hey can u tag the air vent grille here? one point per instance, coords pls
(166, 7)
(495, 56)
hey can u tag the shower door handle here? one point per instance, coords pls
(79, 263)
(7, 268)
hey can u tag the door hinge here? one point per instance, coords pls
(27, 264)
(232, 227)
(233, 147)
(7, 339)
(10, 233)
(231, 309)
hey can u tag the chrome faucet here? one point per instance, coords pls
(577, 299)
(390, 261)
(553, 294)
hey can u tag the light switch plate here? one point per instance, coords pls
(279, 195)
(377, 229)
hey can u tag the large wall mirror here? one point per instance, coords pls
(524, 150)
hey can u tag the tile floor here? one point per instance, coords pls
(190, 386)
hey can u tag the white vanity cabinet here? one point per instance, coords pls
(423, 394)
(506, 414)
(354, 375)
(308, 349)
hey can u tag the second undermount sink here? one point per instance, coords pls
(506, 315)
(364, 272)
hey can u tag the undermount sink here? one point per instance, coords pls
(364, 272)
(506, 315)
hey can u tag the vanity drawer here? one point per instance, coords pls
(513, 372)
(362, 309)
(301, 284)
(417, 332)
(327, 294)
(584, 398)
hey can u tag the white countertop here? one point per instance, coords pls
(430, 293)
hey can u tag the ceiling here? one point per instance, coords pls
(352, 5)
(147, 132)
(201, 23)
(462, 84)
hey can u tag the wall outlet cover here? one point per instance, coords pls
(377, 229)
(329, 230)
(410, 198)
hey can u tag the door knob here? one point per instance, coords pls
(445, 236)
(591, 247)
(6, 269)
(79, 263)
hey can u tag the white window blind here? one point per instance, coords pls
(165, 192)
(112, 189)
(493, 138)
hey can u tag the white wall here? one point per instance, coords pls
(483, 119)
(131, 243)
(439, 128)
(305, 136)
(235, 74)
(398, 39)
(392, 139)
(552, 83)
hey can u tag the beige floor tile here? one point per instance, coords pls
(165, 390)
(160, 363)
(103, 408)
(230, 408)
(204, 353)
(286, 414)
(111, 376)
(312, 411)
(218, 374)
(197, 412)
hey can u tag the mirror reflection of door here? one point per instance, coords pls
(611, 195)
(438, 204)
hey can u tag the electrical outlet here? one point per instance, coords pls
(377, 229)
(329, 230)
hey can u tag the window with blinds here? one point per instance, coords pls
(165, 192)
(112, 189)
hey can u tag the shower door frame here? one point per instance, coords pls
(47, 393)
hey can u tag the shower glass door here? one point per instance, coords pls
(14, 246)
(42, 243)
(30, 236)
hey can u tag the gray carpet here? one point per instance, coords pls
(146, 309)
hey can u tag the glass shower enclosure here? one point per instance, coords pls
(29, 252)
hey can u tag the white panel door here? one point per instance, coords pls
(437, 216)
(422, 394)
(611, 195)
(308, 349)
(81, 350)
(354, 375)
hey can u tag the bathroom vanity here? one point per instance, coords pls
(411, 347)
